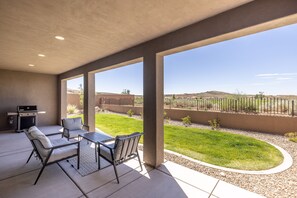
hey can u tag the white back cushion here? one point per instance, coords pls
(45, 141)
(32, 128)
(72, 123)
(36, 133)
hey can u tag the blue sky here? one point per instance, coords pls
(265, 62)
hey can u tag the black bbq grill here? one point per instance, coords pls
(27, 117)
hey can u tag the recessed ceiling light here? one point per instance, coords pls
(41, 55)
(31, 65)
(61, 38)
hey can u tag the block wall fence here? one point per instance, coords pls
(251, 122)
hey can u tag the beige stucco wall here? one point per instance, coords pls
(252, 122)
(122, 109)
(118, 99)
(268, 124)
(23, 88)
(74, 99)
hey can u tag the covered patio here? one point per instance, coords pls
(62, 180)
(36, 63)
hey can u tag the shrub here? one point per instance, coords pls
(250, 109)
(186, 121)
(72, 109)
(130, 113)
(166, 118)
(97, 109)
(209, 106)
(141, 115)
(215, 123)
(292, 136)
(164, 114)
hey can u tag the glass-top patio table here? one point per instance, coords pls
(96, 137)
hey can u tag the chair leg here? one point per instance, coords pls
(99, 160)
(39, 174)
(30, 156)
(78, 155)
(139, 161)
(96, 147)
(116, 172)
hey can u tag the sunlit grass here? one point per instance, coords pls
(214, 147)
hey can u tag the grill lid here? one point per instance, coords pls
(27, 108)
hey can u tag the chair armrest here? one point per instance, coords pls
(53, 134)
(64, 145)
(66, 131)
(105, 145)
(109, 140)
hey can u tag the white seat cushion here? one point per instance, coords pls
(63, 152)
(59, 141)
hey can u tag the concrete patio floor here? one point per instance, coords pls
(61, 180)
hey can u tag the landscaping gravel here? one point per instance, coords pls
(283, 184)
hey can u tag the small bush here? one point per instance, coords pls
(215, 123)
(72, 109)
(209, 106)
(130, 113)
(97, 109)
(141, 115)
(166, 118)
(292, 136)
(186, 121)
(250, 109)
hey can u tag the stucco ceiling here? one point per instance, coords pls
(92, 28)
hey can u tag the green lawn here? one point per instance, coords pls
(214, 147)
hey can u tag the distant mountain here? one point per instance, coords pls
(214, 94)
(207, 94)
(221, 94)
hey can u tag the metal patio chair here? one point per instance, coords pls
(50, 152)
(121, 149)
(72, 127)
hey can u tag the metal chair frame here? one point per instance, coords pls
(67, 131)
(125, 155)
(45, 161)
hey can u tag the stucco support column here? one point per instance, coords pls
(63, 100)
(89, 100)
(153, 145)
